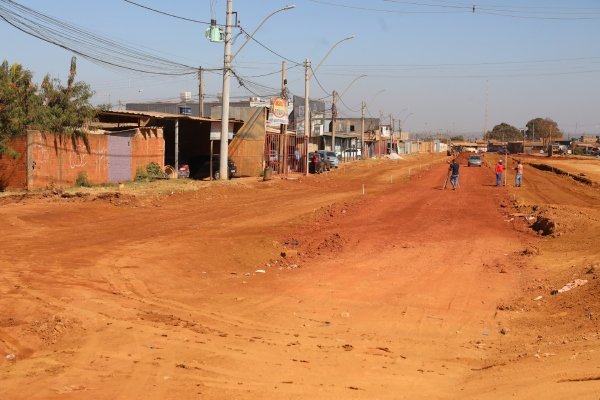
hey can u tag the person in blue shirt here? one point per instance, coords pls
(454, 173)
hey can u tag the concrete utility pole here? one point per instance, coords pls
(362, 130)
(283, 127)
(306, 108)
(333, 118)
(224, 149)
(200, 92)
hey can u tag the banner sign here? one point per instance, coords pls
(279, 112)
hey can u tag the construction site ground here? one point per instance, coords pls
(368, 282)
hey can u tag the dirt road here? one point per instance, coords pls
(304, 288)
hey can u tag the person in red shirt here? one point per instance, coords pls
(499, 170)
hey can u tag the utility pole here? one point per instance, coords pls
(391, 133)
(333, 118)
(306, 109)
(362, 129)
(224, 149)
(200, 92)
(283, 127)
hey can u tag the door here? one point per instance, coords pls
(119, 157)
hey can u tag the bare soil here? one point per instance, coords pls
(369, 282)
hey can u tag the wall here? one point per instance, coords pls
(53, 160)
(13, 172)
(147, 146)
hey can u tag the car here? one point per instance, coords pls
(474, 160)
(200, 167)
(323, 165)
(330, 155)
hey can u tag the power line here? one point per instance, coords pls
(166, 13)
(88, 45)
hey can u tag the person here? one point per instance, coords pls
(454, 174)
(499, 170)
(316, 162)
(519, 174)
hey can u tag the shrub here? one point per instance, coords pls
(82, 180)
(153, 170)
(141, 174)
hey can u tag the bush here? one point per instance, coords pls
(82, 180)
(153, 170)
(141, 174)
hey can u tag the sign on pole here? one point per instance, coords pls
(279, 114)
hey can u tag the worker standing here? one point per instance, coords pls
(499, 171)
(519, 174)
(454, 174)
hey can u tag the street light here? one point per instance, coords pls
(307, 127)
(251, 36)
(227, 59)
(350, 84)
(330, 50)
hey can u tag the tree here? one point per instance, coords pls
(504, 132)
(543, 129)
(459, 138)
(51, 108)
(19, 103)
(66, 109)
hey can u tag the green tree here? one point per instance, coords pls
(19, 103)
(504, 132)
(543, 129)
(459, 138)
(52, 108)
(66, 110)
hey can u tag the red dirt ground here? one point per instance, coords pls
(305, 288)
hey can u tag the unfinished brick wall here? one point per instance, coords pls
(50, 160)
(147, 145)
(57, 160)
(13, 171)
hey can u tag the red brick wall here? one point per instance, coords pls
(57, 160)
(147, 146)
(13, 172)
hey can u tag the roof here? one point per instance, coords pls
(160, 115)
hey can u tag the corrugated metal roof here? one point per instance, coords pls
(160, 115)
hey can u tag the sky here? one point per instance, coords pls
(435, 67)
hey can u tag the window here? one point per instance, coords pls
(351, 128)
(185, 110)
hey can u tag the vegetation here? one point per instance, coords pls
(543, 129)
(153, 170)
(459, 138)
(504, 132)
(141, 174)
(82, 180)
(51, 107)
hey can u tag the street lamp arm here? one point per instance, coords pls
(251, 36)
(350, 84)
(330, 50)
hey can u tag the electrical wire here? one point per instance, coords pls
(88, 45)
(166, 13)
(544, 13)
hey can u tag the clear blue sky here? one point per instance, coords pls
(433, 64)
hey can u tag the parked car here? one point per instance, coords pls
(323, 165)
(330, 155)
(200, 167)
(474, 160)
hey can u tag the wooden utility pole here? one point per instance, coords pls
(200, 92)
(362, 130)
(333, 118)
